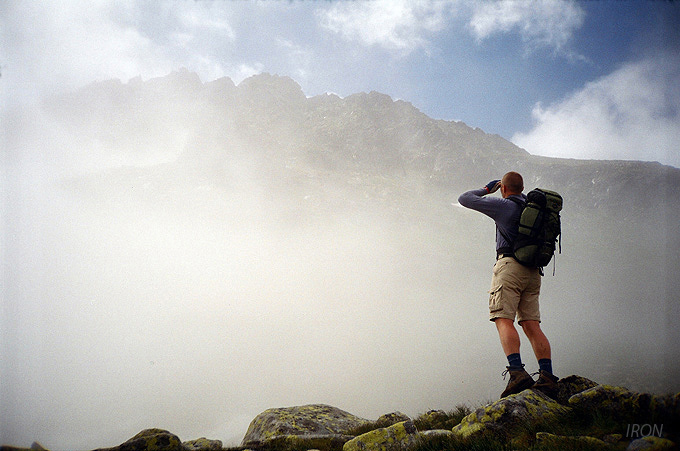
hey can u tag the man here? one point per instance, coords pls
(514, 288)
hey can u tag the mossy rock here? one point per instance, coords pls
(547, 441)
(501, 417)
(572, 385)
(437, 433)
(34, 447)
(150, 440)
(399, 436)
(392, 418)
(652, 443)
(310, 421)
(203, 444)
(625, 405)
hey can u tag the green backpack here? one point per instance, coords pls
(539, 228)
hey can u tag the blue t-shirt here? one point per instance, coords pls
(504, 212)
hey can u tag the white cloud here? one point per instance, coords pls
(631, 114)
(400, 25)
(50, 48)
(65, 46)
(246, 70)
(300, 58)
(541, 23)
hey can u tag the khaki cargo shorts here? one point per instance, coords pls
(514, 291)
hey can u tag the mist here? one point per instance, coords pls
(144, 286)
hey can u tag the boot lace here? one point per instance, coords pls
(509, 369)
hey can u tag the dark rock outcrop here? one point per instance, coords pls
(150, 439)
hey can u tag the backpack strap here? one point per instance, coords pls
(519, 202)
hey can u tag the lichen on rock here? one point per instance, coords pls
(203, 444)
(311, 421)
(651, 443)
(391, 418)
(545, 440)
(571, 385)
(623, 404)
(399, 436)
(150, 440)
(500, 417)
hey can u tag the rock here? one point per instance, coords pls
(545, 440)
(150, 440)
(623, 404)
(391, 418)
(437, 433)
(310, 421)
(396, 437)
(203, 444)
(612, 438)
(502, 416)
(571, 385)
(435, 419)
(34, 447)
(651, 443)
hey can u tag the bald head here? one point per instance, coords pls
(513, 182)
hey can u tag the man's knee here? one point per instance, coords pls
(531, 327)
(503, 323)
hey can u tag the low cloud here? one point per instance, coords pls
(631, 113)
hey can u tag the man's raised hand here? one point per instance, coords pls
(492, 186)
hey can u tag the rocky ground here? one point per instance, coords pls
(584, 416)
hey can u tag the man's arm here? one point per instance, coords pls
(475, 199)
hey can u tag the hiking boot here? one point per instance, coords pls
(547, 384)
(519, 380)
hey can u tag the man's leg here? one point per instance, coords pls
(539, 342)
(547, 382)
(519, 378)
(508, 335)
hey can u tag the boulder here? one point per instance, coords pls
(545, 440)
(436, 419)
(571, 385)
(437, 433)
(309, 421)
(34, 447)
(397, 437)
(150, 440)
(503, 416)
(392, 418)
(651, 443)
(621, 403)
(203, 444)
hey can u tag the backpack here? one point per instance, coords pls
(539, 228)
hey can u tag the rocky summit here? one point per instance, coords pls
(584, 416)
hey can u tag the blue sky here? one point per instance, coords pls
(595, 79)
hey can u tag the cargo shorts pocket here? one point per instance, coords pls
(495, 304)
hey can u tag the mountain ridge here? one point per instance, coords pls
(365, 131)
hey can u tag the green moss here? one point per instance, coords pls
(397, 436)
(506, 414)
(438, 419)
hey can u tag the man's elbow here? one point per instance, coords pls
(465, 200)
